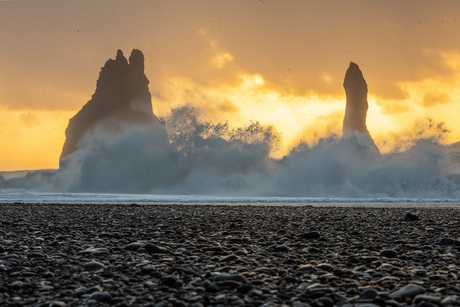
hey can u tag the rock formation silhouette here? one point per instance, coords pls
(356, 108)
(357, 105)
(122, 98)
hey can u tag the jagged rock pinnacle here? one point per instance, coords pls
(121, 99)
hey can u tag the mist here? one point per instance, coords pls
(185, 155)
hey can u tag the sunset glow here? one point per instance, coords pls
(281, 64)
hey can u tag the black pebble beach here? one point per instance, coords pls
(224, 255)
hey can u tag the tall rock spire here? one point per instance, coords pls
(356, 108)
(121, 99)
(354, 120)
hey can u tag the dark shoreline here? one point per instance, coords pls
(245, 255)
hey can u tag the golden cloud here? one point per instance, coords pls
(434, 98)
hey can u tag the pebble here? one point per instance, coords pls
(228, 258)
(93, 265)
(233, 277)
(201, 255)
(368, 294)
(389, 253)
(310, 235)
(427, 299)
(411, 217)
(409, 290)
(134, 246)
(154, 249)
(447, 241)
(325, 266)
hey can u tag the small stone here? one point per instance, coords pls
(133, 246)
(310, 235)
(93, 289)
(306, 267)
(411, 217)
(93, 265)
(220, 299)
(325, 267)
(427, 299)
(100, 251)
(98, 296)
(450, 300)
(389, 253)
(147, 269)
(235, 277)
(154, 249)
(2, 250)
(10, 235)
(228, 258)
(368, 294)
(57, 304)
(281, 248)
(447, 241)
(54, 243)
(35, 255)
(410, 291)
(169, 281)
(16, 284)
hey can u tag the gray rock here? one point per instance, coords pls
(447, 241)
(234, 277)
(325, 267)
(409, 290)
(389, 253)
(16, 284)
(93, 265)
(450, 300)
(133, 246)
(154, 249)
(368, 294)
(228, 258)
(426, 298)
(281, 248)
(411, 217)
(310, 235)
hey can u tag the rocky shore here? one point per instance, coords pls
(199, 255)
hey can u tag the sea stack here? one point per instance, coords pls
(356, 108)
(122, 99)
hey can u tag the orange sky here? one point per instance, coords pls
(278, 62)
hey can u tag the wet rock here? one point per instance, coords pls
(310, 235)
(407, 291)
(134, 246)
(389, 253)
(93, 266)
(228, 258)
(325, 267)
(368, 294)
(234, 277)
(411, 217)
(426, 299)
(447, 241)
(155, 249)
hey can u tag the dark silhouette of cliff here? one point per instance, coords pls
(121, 99)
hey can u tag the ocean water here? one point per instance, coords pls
(27, 196)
